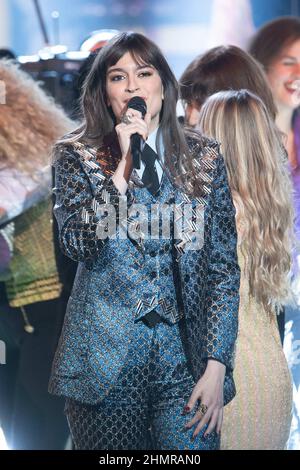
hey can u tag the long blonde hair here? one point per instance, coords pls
(260, 185)
(30, 121)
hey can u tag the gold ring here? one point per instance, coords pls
(202, 408)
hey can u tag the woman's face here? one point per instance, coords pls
(126, 79)
(284, 76)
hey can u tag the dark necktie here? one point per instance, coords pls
(150, 177)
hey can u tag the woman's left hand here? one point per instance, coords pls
(209, 391)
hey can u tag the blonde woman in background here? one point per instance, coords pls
(259, 417)
(224, 68)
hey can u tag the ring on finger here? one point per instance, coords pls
(126, 119)
(202, 408)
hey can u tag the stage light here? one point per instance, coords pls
(3, 444)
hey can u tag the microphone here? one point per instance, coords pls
(136, 141)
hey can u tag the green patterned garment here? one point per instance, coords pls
(33, 275)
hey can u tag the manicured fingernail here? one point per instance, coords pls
(186, 410)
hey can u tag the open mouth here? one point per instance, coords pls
(293, 86)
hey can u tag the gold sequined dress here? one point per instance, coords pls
(259, 417)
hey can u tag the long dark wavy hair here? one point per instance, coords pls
(99, 120)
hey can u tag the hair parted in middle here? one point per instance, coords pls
(261, 188)
(273, 37)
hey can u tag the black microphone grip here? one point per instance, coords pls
(136, 141)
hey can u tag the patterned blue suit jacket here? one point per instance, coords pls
(103, 305)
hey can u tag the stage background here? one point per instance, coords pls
(183, 28)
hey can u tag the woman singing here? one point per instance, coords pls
(145, 355)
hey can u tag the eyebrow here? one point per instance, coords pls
(119, 69)
(286, 56)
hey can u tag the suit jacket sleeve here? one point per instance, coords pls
(82, 195)
(222, 301)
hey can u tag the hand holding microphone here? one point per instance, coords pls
(133, 130)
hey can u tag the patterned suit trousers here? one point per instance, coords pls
(143, 410)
